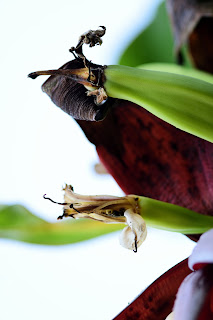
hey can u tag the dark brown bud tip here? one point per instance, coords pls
(72, 49)
(33, 75)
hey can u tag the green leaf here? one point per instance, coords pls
(183, 101)
(154, 44)
(17, 223)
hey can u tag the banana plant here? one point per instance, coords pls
(135, 146)
(152, 127)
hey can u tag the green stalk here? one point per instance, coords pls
(170, 217)
(183, 101)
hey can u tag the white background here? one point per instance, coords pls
(42, 148)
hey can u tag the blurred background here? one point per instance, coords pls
(43, 148)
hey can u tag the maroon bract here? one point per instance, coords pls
(157, 300)
(149, 157)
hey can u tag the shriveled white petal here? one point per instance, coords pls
(127, 238)
(135, 233)
(203, 252)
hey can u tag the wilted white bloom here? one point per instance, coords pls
(108, 209)
(135, 233)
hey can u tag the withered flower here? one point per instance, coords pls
(91, 37)
(77, 89)
(109, 209)
(78, 86)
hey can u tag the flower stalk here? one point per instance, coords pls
(170, 217)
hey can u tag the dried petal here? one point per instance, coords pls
(78, 90)
(133, 235)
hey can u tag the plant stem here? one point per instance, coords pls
(170, 217)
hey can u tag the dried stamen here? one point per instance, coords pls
(71, 206)
(47, 198)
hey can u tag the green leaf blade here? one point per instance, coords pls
(153, 44)
(17, 223)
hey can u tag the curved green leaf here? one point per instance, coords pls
(17, 223)
(154, 44)
(183, 101)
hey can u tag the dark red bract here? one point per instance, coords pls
(149, 157)
(157, 300)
